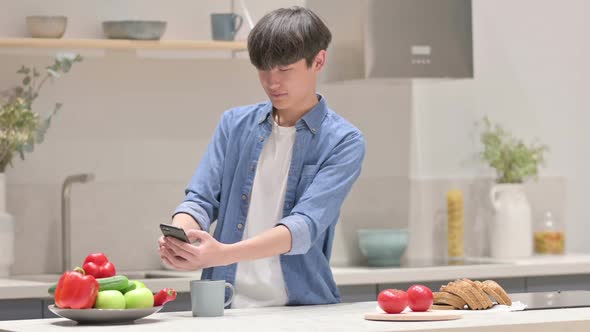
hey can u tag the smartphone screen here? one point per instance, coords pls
(175, 232)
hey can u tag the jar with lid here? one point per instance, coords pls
(549, 235)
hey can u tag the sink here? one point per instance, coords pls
(131, 275)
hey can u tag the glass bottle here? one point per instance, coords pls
(549, 236)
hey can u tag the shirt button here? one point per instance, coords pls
(261, 138)
(313, 130)
(240, 226)
(253, 167)
(244, 197)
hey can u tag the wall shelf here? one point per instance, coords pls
(123, 44)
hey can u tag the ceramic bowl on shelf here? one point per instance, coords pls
(383, 246)
(139, 30)
(47, 26)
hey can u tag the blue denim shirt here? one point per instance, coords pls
(327, 157)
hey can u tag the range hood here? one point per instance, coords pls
(375, 39)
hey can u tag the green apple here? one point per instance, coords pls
(138, 284)
(139, 298)
(110, 299)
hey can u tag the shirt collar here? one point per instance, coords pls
(312, 119)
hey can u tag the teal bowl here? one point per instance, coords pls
(383, 247)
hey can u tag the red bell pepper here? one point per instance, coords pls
(76, 290)
(163, 296)
(98, 266)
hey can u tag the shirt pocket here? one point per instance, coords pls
(308, 173)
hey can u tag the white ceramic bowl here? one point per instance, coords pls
(139, 30)
(47, 26)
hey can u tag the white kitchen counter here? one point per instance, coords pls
(338, 317)
(530, 267)
(347, 276)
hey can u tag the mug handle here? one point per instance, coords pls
(231, 297)
(239, 22)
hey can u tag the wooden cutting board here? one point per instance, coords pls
(415, 316)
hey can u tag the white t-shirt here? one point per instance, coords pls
(260, 283)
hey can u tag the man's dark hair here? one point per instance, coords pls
(285, 36)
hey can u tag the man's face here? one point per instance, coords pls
(289, 86)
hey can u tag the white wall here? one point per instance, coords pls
(141, 126)
(186, 19)
(531, 75)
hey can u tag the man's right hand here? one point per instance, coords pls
(184, 221)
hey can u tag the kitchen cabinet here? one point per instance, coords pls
(182, 303)
(46, 312)
(358, 293)
(557, 283)
(37, 308)
(20, 309)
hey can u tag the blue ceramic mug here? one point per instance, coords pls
(225, 26)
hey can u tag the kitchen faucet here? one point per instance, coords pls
(65, 216)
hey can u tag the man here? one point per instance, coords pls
(274, 177)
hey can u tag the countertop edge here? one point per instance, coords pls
(15, 288)
(338, 317)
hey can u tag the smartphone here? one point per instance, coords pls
(175, 232)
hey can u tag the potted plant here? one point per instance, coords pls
(20, 129)
(514, 162)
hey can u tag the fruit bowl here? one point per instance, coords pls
(103, 316)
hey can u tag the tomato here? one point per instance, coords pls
(392, 301)
(420, 298)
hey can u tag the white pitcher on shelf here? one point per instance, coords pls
(511, 228)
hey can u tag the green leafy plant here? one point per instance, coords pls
(513, 160)
(21, 127)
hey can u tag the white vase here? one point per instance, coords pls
(511, 228)
(6, 232)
